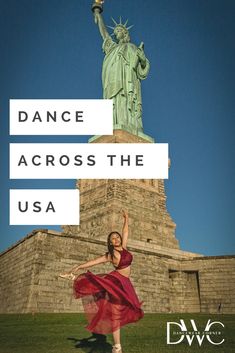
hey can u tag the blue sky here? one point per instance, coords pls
(52, 49)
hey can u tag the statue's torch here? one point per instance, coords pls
(98, 6)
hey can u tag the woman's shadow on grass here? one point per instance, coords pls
(96, 343)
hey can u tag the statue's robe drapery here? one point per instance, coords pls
(121, 77)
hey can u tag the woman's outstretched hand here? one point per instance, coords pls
(67, 275)
(124, 213)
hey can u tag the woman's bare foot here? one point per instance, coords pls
(117, 348)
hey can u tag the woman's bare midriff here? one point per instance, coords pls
(125, 271)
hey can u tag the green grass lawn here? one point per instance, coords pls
(65, 333)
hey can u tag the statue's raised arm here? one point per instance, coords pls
(97, 9)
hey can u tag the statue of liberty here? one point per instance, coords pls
(124, 66)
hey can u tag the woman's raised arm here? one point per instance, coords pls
(125, 229)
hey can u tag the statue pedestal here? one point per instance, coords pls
(101, 201)
(117, 132)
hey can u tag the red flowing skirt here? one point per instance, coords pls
(109, 301)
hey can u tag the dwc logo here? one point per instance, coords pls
(211, 333)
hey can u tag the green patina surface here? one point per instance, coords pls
(124, 66)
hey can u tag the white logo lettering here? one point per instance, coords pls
(190, 334)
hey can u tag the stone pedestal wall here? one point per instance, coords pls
(18, 266)
(34, 286)
(100, 207)
(166, 283)
(184, 292)
(217, 282)
(145, 200)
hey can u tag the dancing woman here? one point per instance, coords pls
(109, 300)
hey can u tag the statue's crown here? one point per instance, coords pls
(120, 24)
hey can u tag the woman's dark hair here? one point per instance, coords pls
(110, 246)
